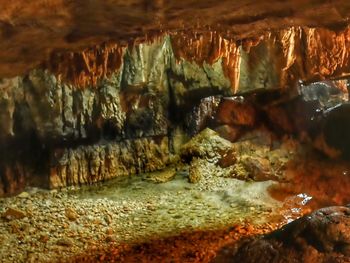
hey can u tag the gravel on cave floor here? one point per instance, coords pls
(160, 216)
(49, 226)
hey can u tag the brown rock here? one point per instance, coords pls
(228, 132)
(12, 177)
(279, 119)
(15, 228)
(71, 214)
(109, 231)
(202, 115)
(246, 17)
(196, 170)
(65, 242)
(227, 159)
(109, 238)
(322, 236)
(236, 112)
(207, 144)
(108, 219)
(13, 213)
(258, 168)
(163, 176)
(44, 238)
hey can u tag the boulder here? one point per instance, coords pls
(322, 236)
(206, 145)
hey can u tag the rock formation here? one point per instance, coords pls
(92, 90)
(322, 236)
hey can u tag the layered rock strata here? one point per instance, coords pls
(91, 164)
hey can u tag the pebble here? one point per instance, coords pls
(24, 195)
(62, 224)
(13, 213)
(109, 238)
(66, 242)
(44, 238)
(71, 214)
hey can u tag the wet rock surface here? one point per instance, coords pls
(206, 145)
(62, 128)
(98, 223)
(322, 236)
(130, 112)
(209, 155)
(63, 225)
(94, 90)
(91, 164)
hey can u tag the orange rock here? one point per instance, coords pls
(234, 112)
(280, 119)
(13, 213)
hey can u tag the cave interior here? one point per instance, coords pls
(174, 131)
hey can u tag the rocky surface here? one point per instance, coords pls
(322, 236)
(92, 134)
(84, 92)
(31, 34)
(206, 145)
(135, 119)
(91, 164)
(285, 56)
(209, 156)
(47, 226)
(147, 93)
(56, 226)
(132, 217)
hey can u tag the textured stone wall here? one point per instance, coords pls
(55, 133)
(54, 130)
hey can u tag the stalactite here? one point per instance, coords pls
(296, 53)
(209, 47)
(87, 67)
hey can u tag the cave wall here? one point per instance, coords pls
(55, 133)
(108, 111)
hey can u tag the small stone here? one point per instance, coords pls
(162, 176)
(109, 231)
(71, 214)
(13, 213)
(65, 242)
(109, 239)
(24, 195)
(108, 219)
(97, 221)
(15, 228)
(31, 258)
(44, 238)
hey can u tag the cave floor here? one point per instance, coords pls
(147, 219)
(61, 224)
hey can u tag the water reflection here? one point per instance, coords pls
(313, 183)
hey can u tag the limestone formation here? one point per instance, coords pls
(91, 164)
(44, 30)
(76, 78)
(206, 145)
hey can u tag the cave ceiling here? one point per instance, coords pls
(32, 32)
